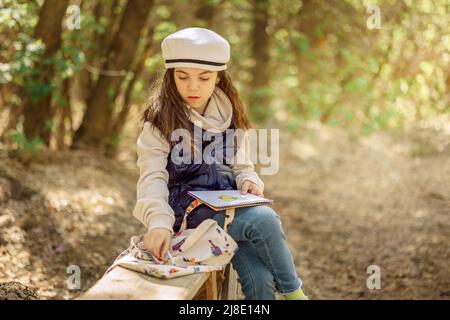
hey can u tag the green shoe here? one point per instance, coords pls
(296, 295)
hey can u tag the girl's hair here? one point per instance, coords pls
(166, 109)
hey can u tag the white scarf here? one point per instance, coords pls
(217, 115)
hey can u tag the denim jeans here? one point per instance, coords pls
(263, 261)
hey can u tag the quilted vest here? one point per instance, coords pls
(201, 176)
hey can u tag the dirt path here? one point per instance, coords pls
(348, 205)
(345, 205)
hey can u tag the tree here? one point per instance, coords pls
(259, 97)
(100, 104)
(37, 110)
(119, 121)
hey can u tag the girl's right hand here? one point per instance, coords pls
(157, 242)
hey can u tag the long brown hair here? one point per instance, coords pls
(166, 109)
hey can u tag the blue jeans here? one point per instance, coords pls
(263, 261)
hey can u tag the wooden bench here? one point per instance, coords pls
(124, 284)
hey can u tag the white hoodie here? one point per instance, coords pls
(152, 207)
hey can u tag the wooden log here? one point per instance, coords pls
(230, 284)
(123, 284)
(211, 286)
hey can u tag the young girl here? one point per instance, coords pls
(196, 93)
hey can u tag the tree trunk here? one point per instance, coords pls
(63, 113)
(14, 112)
(259, 100)
(106, 38)
(120, 121)
(205, 13)
(95, 54)
(100, 105)
(49, 29)
(304, 22)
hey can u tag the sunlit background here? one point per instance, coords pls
(360, 91)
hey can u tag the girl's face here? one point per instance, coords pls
(195, 86)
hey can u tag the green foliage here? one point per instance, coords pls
(115, 141)
(324, 64)
(301, 42)
(163, 29)
(24, 144)
(363, 80)
(50, 125)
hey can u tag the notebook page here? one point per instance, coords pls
(228, 198)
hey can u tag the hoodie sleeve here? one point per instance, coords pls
(243, 168)
(152, 207)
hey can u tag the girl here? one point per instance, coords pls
(196, 93)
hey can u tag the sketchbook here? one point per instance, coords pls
(227, 199)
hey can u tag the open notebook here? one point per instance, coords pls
(225, 199)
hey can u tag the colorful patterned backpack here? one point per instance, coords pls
(203, 249)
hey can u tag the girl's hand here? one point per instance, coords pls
(157, 242)
(251, 187)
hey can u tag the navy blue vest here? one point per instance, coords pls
(188, 177)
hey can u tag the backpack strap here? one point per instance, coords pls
(229, 216)
(195, 236)
(194, 204)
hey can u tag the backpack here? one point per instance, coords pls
(206, 248)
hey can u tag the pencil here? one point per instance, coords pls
(170, 257)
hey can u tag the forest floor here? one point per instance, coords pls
(346, 204)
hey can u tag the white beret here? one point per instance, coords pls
(195, 48)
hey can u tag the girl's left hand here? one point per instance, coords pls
(251, 187)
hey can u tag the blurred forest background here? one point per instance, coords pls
(364, 115)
